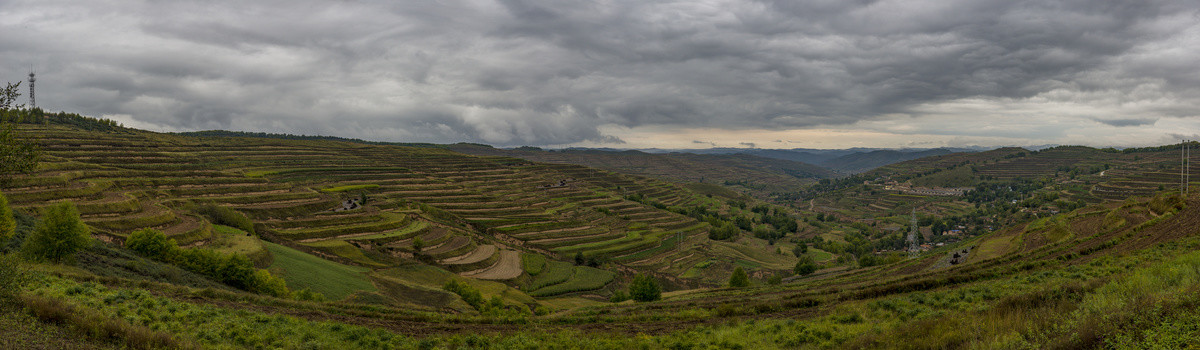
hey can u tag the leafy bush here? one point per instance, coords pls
(8, 224)
(644, 288)
(16, 156)
(739, 279)
(469, 294)
(152, 244)
(806, 266)
(308, 294)
(58, 235)
(234, 270)
(418, 244)
(12, 276)
(228, 217)
(726, 231)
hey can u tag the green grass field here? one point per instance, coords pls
(302, 270)
(230, 240)
(435, 278)
(819, 255)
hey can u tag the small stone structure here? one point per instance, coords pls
(349, 204)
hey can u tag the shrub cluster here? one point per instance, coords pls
(644, 288)
(8, 224)
(232, 269)
(805, 266)
(225, 216)
(491, 307)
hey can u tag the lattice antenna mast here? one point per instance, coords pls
(32, 99)
(1183, 167)
(912, 236)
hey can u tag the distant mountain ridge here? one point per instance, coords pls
(756, 173)
(843, 161)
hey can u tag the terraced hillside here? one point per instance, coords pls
(374, 206)
(749, 173)
(1107, 275)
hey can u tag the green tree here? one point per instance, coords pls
(58, 235)
(801, 249)
(12, 276)
(469, 294)
(644, 288)
(16, 155)
(236, 270)
(418, 244)
(264, 282)
(739, 279)
(8, 224)
(153, 244)
(619, 296)
(868, 260)
(806, 266)
(9, 95)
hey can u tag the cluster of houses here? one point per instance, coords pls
(892, 185)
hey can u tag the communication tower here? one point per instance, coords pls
(32, 100)
(1185, 154)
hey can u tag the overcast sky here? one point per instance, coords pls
(626, 74)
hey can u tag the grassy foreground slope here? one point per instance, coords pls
(1119, 275)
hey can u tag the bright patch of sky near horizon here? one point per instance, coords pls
(625, 74)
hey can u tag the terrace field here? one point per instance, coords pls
(422, 247)
(370, 206)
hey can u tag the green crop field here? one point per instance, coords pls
(302, 270)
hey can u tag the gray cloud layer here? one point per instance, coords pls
(514, 72)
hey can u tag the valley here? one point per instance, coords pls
(381, 245)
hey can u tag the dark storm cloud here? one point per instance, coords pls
(524, 72)
(1127, 122)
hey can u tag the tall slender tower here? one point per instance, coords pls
(32, 100)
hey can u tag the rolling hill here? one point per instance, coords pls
(751, 173)
(423, 247)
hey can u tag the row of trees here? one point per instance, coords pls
(233, 269)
